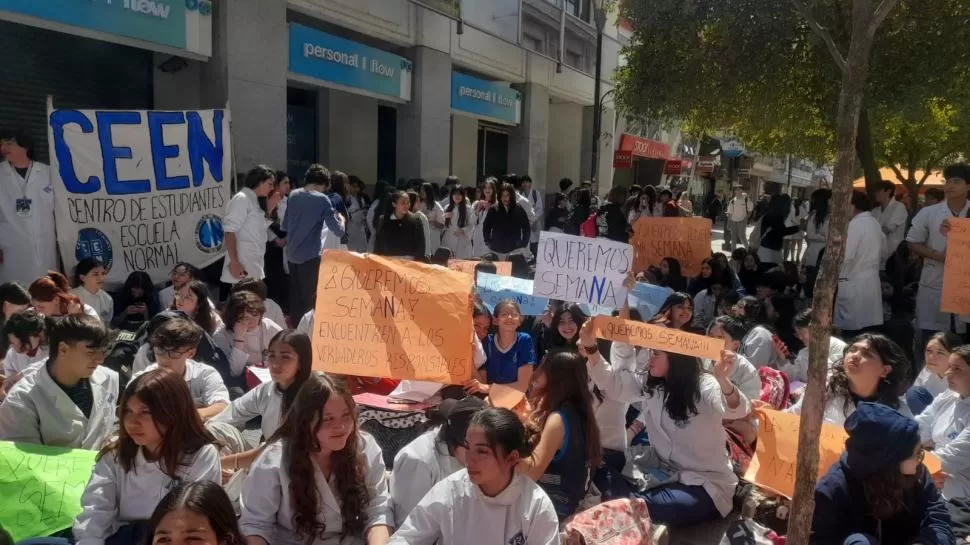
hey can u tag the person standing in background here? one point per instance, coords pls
(738, 211)
(892, 217)
(246, 226)
(858, 303)
(358, 203)
(538, 209)
(29, 247)
(277, 268)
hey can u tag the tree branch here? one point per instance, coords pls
(899, 173)
(823, 33)
(883, 10)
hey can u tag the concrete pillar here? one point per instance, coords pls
(529, 142)
(604, 173)
(424, 124)
(353, 134)
(248, 70)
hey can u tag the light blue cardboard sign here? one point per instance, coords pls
(648, 298)
(493, 288)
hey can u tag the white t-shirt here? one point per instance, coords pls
(15, 362)
(926, 231)
(204, 383)
(101, 302)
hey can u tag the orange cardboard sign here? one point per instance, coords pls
(380, 317)
(956, 270)
(688, 240)
(776, 455)
(467, 266)
(657, 337)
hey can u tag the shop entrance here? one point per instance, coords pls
(493, 152)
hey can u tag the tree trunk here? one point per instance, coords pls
(850, 107)
(865, 150)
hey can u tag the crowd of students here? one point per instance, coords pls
(168, 405)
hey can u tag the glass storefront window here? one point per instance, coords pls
(497, 17)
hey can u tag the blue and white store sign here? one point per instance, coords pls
(177, 26)
(319, 58)
(485, 99)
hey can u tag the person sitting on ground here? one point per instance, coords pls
(135, 303)
(510, 354)
(798, 369)
(193, 299)
(89, 277)
(247, 334)
(51, 295)
(26, 335)
(879, 492)
(932, 380)
(195, 512)
(181, 274)
(258, 288)
(943, 427)
(759, 345)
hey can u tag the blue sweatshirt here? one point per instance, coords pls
(306, 212)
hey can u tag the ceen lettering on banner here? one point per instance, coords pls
(688, 240)
(657, 337)
(380, 317)
(140, 190)
(582, 270)
(956, 272)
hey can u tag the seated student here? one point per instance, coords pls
(174, 344)
(943, 426)
(197, 512)
(25, 334)
(246, 336)
(744, 375)
(676, 312)
(683, 407)
(51, 295)
(489, 501)
(193, 300)
(563, 431)
(879, 492)
(432, 456)
(318, 479)
(873, 369)
(510, 355)
(932, 380)
(135, 303)
(89, 276)
(70, 401)
(798, 370)
(258, 288)
(306, 324)
(482, 321)
(160, 444)
(290, 361)
(705, 302)
(181, 275)
(758, 345)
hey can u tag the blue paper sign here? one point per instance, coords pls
(485, 99)
(648, 298)
(494, 289)
(350, 65)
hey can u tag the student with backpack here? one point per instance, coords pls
(739, 208)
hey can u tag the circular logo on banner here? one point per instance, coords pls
(93, 243)
(209, 234)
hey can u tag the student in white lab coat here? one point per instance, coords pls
(318, 479)
(28, 246)
(858, 304)
(289, 361)
(943, 427)
(26, 334)
(51, 296)
(891, 215)
(246, 224)
(932, 381)
(428, 205)
(432, 456)
(489, 501)
(683, 411)
(538, 208)
(873, 369)
(357, 208)
(758, 345)
(745, 374)
(70, 401)
(161, 443)
(89, 276)
(174, 344)
(459, 225)
(479, 212)
(245, 339)
(257, 287)
(797, 371)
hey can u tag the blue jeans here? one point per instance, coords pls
(860, 539)
(609, 478)
(918, 398)
(679, 505)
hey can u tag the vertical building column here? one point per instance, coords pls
(424, 124)
(529, 142)
(604, 172)
(248, 71)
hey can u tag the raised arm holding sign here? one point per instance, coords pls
(657, 337)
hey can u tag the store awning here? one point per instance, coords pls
(935, 178)
(644, 148)
(678, 167)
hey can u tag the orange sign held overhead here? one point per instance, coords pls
(380, 317)
(657, 337)
(956, 271)
(688, 240)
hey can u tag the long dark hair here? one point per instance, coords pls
(819, 206)
(84, 267)
(567, 383)
(205, 315)
(462, 208)
(298, 431)
(885, 492)
(674, 299)
(555, 339)
(429, 195)
(169, 401)
(681, 388)
(675, 279)
(300, 343)
(490, 182)
(891, 388)
(204, 498)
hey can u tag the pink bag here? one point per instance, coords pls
(617, 522)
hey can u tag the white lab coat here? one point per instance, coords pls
(837, 410)
(28, 243)
(456, 512)
(265, 400)
(101, 302)
(115, 497)
(253, 351)
(356, 230)
(419, 466)
(459, 239)
(925, 230)
(892, 221)
(15, 362)
(858, 303)
(798, 371)
(249, 223)
(943, 426)
(744, 376)
(38, 411)
(934, 384)
(696, 448)
(274, 312)
(204, 382)
(478, 236)
(538, 209)
(435, 214)
(610, 413)
(306, 324)
(267, 508)
(759, 347)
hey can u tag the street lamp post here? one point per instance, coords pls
(599, 14)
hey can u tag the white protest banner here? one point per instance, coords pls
(140, 190)
(582, 270)
(493, 289)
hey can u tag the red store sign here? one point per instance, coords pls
(622, 159)
(644, 148)
(677, 167)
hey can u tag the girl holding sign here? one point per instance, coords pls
(318, 479)
(161, 443)
(510, 355)
(684, 407)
